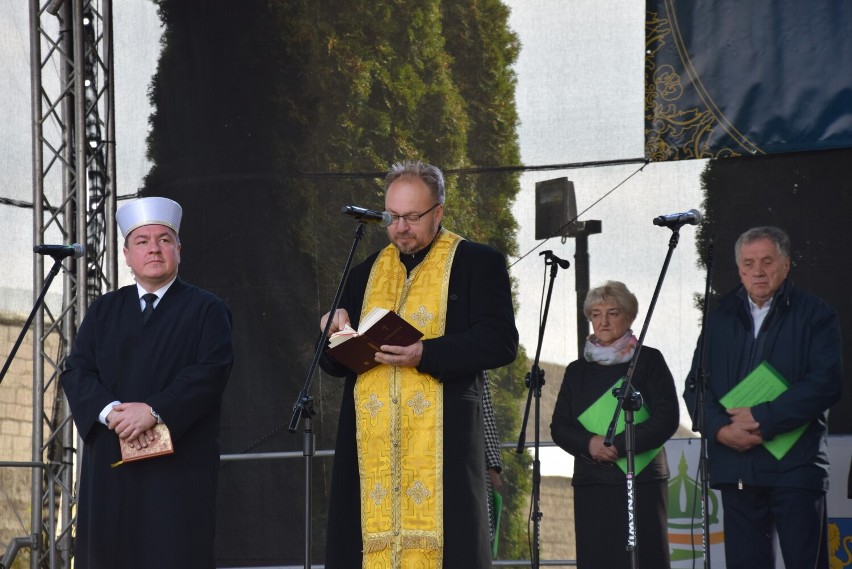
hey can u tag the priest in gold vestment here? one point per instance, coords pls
(408, 488)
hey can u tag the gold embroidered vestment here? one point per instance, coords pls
(399, 420)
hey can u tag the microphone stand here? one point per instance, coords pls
(631, 400)
(54, 270)
(698, 385)
(535, 381)
(303, 408)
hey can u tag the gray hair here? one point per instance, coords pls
(777, 236)
(616, 292)
(431, 176)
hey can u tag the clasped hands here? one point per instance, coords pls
(402, 356)
(743, 432)
(600, 452)
(133, 422)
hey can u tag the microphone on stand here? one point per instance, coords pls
(548, 255)
(691, 217)
(61, 251)
(365, 215)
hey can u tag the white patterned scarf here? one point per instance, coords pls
(618, 352)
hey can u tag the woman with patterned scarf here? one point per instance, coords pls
(583, 410)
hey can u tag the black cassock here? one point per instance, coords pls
(480, 334)
(158, 512)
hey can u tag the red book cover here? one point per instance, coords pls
(356, 350)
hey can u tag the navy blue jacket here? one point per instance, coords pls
(800, 338)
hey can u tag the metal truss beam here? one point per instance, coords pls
(71, 57)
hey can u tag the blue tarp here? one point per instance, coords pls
(734, 78)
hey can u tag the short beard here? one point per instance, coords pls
(407, 250)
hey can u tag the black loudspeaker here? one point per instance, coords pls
(555, 208)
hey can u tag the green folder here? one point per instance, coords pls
(497, 504)
(597, 417)
(764, 384)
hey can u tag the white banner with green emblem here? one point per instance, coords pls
(685, 521)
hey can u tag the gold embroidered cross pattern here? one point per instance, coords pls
(418, 492)
(418, 403)
(422, 316)
(373, 405)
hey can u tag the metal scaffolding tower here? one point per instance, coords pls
(74, 197)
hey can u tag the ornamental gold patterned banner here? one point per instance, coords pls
(733, 78)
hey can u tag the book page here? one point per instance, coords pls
(341, 336)
(371, 318)
(349, 332)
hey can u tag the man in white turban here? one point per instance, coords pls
(156, 352)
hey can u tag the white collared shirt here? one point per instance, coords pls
(758, 313)
(159, 292)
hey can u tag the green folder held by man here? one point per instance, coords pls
(764, 384)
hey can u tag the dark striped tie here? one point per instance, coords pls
(149, 299)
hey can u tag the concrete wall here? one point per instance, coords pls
(558, 538)
(16, 427)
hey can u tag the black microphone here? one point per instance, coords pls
(548, 255)
(61, 251)
(691, 217)
(365, 215)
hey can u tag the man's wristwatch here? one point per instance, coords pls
(156, 416)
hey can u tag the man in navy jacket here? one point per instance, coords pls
(798, 334)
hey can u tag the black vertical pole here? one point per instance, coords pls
(581, 278)
(580, 231)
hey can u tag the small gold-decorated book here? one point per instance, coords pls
(161, 445)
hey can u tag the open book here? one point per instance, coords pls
(356, 349)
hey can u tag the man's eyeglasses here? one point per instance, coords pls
(411, 218)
